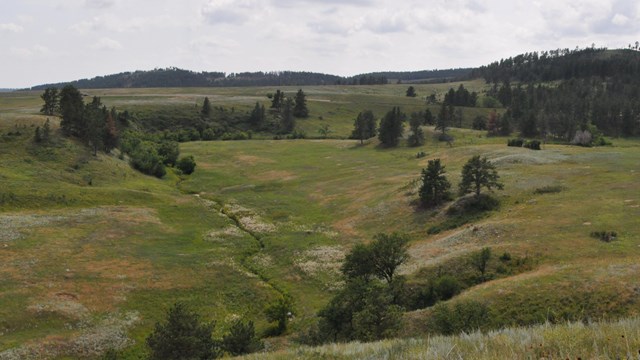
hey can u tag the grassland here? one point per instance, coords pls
(92, 252)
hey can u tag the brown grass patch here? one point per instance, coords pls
(274, 175)
(252, 160)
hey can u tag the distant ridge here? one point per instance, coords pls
(175, 77)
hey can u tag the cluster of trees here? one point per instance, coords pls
(368, 306)
(92, 123)
(477, 173)
(183, 335)
(285, 110)
(461, 97)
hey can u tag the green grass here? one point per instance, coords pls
(89, 232)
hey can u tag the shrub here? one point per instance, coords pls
(187, 165)
(462, 317)
(479, 123)
(533, 145)
(447, 287)
(606, 236)
(421, 154)
(549, 189)
(145, 158)
(515, 142)
(241, 339)
(505, 256)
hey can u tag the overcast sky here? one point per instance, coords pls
(46, 41)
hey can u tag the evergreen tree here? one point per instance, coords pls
(300, 108)
(46, 130)
(183, 336)
(71, 109)
(364, 127)
(411, 92)
(428, 117)
(287, 121)
(391, 127)
(478, 173)
(257, 117)
(435, 186)
(280, 312)
(206, 108)
(443, 119)
(110, 136)
(51, 101)
(277, 100)
(241, 339)
(94, 125)
(417, 135)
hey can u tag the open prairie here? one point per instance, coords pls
(92, 252)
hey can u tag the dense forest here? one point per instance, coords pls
(175, 77)
(568, 95)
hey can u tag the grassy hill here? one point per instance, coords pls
(92, 253)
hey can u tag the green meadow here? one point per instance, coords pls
(92, 253)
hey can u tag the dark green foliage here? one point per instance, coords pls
(549, 189)
(479, 123)
(445, 117)
(145, 158)
(606, 236)
(94, 124)
(71, 109)
(417, 135)
(300, 109)
(46, 131)
(258, 116)
(480, 260)
(51, 101)
(389, 251)
(460, 97)
(241, 339)
(529, 126)
(391, 127)
(532, 144)
(446, 287)
(515, 142)
(435, 186)
(364, 126)
(37, 136)
(473, 205)
(279, 312)
(478, 173)
(277, 100)
(169, 152)
(428, 117)
(420, 154)
(461, 317)
(379, 318)
(324, 130)
(182, 336)
(110, 132)
(505, 256)
(287, 121)
(359, 263)
(206, 108)
(411, 92)
(187, 165)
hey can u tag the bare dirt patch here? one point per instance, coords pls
(252, 160)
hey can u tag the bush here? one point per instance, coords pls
(462, 317)
(145, 158)
(549, 189)
(421, 154)
(533, 145)
(479, 123)
(447, 287)
(515, 142)
(606, 236)
(187, 165)
(241, 339)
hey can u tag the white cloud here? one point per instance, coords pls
(107, 44)
(11, 27)
(620, 20)
(29, 52)
(100, 4)
(217, 12)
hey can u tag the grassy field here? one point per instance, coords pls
(92, 252)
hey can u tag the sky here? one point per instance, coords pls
(47, 41)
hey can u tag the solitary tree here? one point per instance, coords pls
(206, 108)
(364, 126)
(277, 100)
(443, 119)
(51, 98)
(241, 339)
(300, 108)
(480, 260)
(428, 117)
(391, 127)
(435, 186)
(417, 135)
(183, 336)
(411, 91)
(478, 173)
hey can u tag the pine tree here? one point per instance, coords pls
(287, 121)
(71, 109)
(435, 186)
(417, 135)
(364, 127)
(443, 119)
(478, 173)
(206, 108)
(411, 92)
(391, 127)
(51, 101)
(300, 109)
